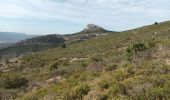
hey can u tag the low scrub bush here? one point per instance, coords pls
(129, 68)
(110, 67)
(12, 81)
(54, 66)
(82, 90)
(157, 93)
(134, 49)
(97, 58)
(79, 92)
(36, 96)
(103, 97)
(104, 85)
(117, 88)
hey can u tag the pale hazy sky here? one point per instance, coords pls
(69, 16)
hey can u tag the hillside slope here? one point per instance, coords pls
(31, 45)
(39, 43)
(130, 65)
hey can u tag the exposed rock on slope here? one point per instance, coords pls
(94, 28)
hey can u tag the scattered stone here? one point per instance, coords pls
(74, 59)
(54, 79)
(168, 61)
(77, 59)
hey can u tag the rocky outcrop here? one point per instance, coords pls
(92, 28)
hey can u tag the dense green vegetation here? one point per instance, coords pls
(130, 65)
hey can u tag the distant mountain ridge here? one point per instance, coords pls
(10, 37)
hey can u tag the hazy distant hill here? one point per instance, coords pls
(46, 39)
(8, 37)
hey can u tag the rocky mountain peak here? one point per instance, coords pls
(93, 28)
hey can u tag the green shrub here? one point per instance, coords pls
(157, 93)
(110, 67)
(135, 49)
(121, 75)
(54, 66)
(36, 96)
(129, 68)
(102, 97)
(117, 88)
(82, 90)
(78, 93)
(104, 85)
(84, 64)
(97, 58)
(151, 43)
(12, 81)
(60, 72)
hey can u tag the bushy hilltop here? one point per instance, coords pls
(129, 65)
